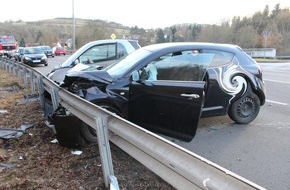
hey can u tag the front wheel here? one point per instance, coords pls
(88, 133)
(245, 109)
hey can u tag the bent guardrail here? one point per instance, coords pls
(176, 165)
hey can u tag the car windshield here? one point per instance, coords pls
(125, 64)
(7, 40)
(46, 48)
(33, 51)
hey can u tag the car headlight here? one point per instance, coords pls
(27, 58)
(44, 58)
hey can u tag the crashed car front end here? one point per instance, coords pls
(88, 89)
(70, 130)
(88, 85)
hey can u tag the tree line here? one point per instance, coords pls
(264, 29)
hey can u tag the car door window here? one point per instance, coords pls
(99, 53)
(122, 52)
(178, 66)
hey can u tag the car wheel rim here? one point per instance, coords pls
(246, 107)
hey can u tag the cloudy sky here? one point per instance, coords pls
(146, 14)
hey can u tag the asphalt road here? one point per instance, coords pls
(259, 151)
(52, 62)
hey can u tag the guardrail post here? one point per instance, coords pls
(18, 73)
(32, 85)
(14, 67)
(10, 66)
(25, 76)
(6, 65)
(40, 91)
(54, 100)
(105, 152)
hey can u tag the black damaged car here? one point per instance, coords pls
(166, 88)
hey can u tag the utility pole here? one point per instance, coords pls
(73, 28)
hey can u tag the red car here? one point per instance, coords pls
(60, 51)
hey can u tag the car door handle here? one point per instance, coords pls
(190, 95)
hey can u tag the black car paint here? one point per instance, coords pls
(159, 107)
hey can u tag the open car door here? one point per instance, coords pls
(172, 108)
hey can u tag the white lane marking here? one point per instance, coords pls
(277, 81)
(275, 102)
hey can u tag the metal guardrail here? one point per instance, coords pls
(176, 165)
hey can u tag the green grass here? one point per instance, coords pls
(261, 60)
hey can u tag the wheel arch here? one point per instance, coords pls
(257, 87)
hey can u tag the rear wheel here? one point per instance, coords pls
(245, 109)
(88, 133)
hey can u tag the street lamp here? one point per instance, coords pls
(73, 27)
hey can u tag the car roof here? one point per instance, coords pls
(32, 47)
(44, 46)
(111, 41)
(192, 45)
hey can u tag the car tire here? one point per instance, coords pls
(245, 109)
(88, 133)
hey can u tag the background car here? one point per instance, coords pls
(47, 50)
(18, 53)
(167, 87)
(94, 55)
(60, 51)
(33, 56)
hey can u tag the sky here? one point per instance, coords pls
(145, 14)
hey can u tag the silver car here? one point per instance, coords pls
(94, 55)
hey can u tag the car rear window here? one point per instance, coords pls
(220, 57)
(134, 44)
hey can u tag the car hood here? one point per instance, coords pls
(58, 73)
(85, 67)
(98, 76)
